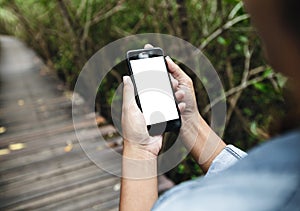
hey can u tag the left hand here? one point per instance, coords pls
(134, 126)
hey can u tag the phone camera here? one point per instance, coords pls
(143, 55)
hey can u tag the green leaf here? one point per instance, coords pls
(181, 168)
(248, 111)
(261, 87)
(238, 47)
(268, 72)
(281, 80)
(222, 41)
(253, 128)
(243, 39)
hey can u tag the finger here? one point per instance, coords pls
(147, 46)
(174, 82)
(128, 92)
(179, 95)
(175, 70)
(181, 107)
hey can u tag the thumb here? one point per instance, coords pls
(176, 71)
(128, 92)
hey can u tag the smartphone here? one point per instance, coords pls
(153, 90)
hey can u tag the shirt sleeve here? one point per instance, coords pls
(229, 156)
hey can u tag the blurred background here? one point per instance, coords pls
(64, 34)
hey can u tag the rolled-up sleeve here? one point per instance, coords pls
(229, 155)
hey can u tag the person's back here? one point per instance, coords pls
(267, 179)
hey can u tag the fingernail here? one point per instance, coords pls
(146, 46)
(167, 57)
(125, 79)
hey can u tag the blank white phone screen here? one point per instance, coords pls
(154, 90)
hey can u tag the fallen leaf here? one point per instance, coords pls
(16, 146)
(2, 130)
(68, 148)
(100, 120)
(4, 151)
(21, 102)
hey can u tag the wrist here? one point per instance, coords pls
(203, 143)
(138, 151)
(190, 127)
(138, 163)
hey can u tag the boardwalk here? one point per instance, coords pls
(42, 165)
(41, 162)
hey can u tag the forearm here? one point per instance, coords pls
(201, 140)
(139, 179)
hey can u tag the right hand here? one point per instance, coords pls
(184, 92)
(196, 134)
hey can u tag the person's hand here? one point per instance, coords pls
(196, 134)
(134, 126)
(184, 92)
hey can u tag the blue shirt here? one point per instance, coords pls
(267, 179)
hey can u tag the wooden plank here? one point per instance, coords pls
(49, 187)
(57, 151)
(113, 209)
(111, 204)
(40, 201)
(55, 182)
(92, 145)
(52, 130)
(34, 145)
(19, 127)
(85, 201)
(51, 104)
(44, 170)
(38, 169)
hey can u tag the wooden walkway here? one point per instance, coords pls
(42, 166)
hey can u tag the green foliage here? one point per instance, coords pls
(222, 41)
(66, 33)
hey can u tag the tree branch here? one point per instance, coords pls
(81, 8)
(257, 70)
(176, 30)
(237, 89)
(78, 59)
(233, 101)
(86, 25)
(66, 16)
(235, 9)
(100, 16)
(138, 24)
(221, 29)
(120, 31)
